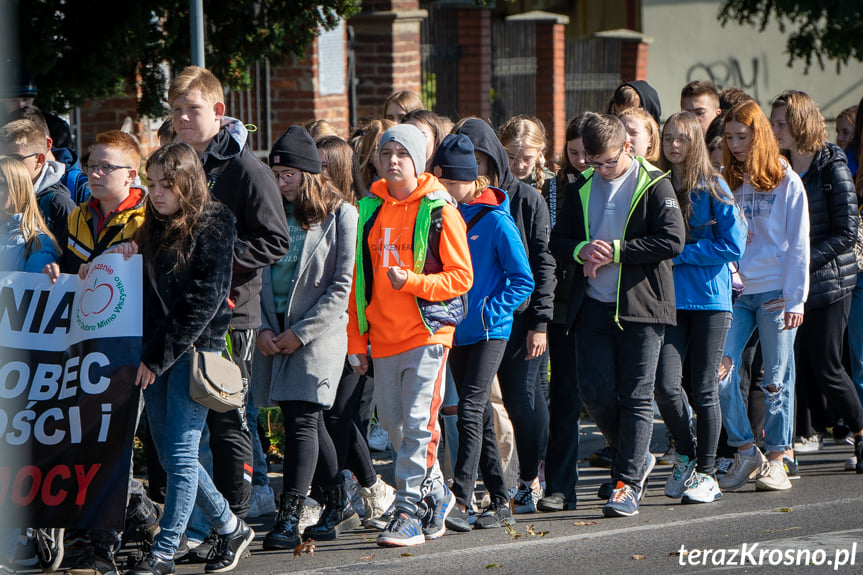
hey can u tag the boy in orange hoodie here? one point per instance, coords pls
(413, 264)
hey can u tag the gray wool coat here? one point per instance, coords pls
(317, 312)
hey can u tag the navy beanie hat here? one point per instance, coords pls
(411, 139)
(296, 149)
(455, 160)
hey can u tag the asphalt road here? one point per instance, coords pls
(809, 529)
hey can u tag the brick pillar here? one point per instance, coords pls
(550, 75)
(386, 43)
(295, 91)
(633, 53)
(474, 67)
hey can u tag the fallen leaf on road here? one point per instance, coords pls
(494, 566)
(639, 557)
(307, 547)
(583, 523)
(783, 510)
(678, 553)
(368, 557)
(532, 531)
(407, 555)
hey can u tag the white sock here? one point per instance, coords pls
(750, 451)
(228, 527)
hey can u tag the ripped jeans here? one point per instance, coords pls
(777, 349)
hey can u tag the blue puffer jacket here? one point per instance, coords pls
(717, 237)
(501, 272)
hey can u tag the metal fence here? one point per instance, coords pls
(513, 74)
(440, 54)
(592, 74)
(252, 107)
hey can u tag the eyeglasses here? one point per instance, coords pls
(682, 139)
(104, 169)
(606, 164)
(22, 158)
(283, 177)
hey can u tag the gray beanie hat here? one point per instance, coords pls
(413, 141)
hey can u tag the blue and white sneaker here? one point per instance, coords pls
(403, 530)
(434, 521)
(623, 502)
(683, 469)
(701, 488)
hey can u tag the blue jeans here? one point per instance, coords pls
(777, 351)
(176, 422)
(855, 336)
(616, 372)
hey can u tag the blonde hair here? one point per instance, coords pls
(318, 129)
(196, 78)
(654, 148)
(696, 172)
(22, 200)
(26, 134)
(526, 132)
(804, 119)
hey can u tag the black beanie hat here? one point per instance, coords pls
(454, 159)
(296, 149)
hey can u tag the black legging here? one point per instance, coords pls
(350, 443)
(306, 439)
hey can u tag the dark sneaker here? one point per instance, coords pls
(495, 516)
(152, 565)
(434, 521)
(203, 551)
(458, 520)
(403, 530)
(25, 550)
(605, 490)
(49, 548)
(623, 502)
(229, 549)
(858, 453)
(602, 458)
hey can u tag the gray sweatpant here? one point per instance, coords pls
(408, 394)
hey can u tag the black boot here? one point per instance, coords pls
(286, 530)
(337, 516)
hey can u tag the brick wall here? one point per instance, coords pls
(474, 68)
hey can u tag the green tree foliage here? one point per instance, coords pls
(86, 49)
(817, 30)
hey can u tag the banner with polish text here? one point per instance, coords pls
(69, 353)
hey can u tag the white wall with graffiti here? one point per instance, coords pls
(689, 43)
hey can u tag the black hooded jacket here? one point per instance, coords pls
(530, 212)
(832, 227)
(649, 98)
(246, 185)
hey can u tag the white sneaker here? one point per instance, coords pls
(377, 499)
(262, 501)
(773, 477)
(808, 444)
(744, 468)
(851, 463)
(378, 439)
(701, 488)
(683, 469)
(311, 514)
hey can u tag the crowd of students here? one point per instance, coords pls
(708, 267)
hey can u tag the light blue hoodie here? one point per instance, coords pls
(13, 249)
